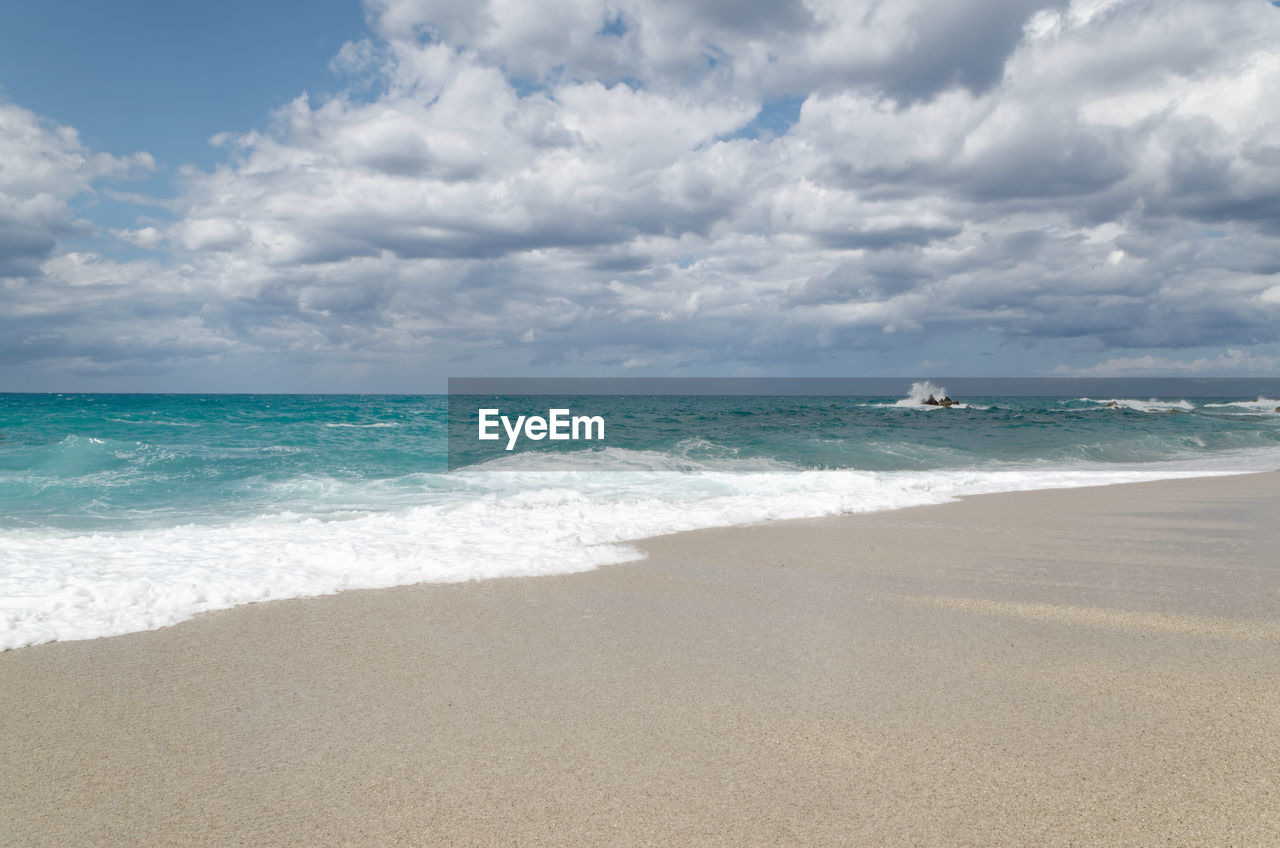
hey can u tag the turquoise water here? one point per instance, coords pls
(105, 461)
(885, 434)
(123, 512)
(111, 461)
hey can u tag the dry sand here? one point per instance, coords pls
(1085, 667)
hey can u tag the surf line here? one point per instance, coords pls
(559, 425)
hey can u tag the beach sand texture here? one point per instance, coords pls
(1081, 667)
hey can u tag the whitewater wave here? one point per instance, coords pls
(1152, 405)
(920, 392)
(1260, 405)
(150, 421)
(511, 518)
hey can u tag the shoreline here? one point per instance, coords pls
(1058, 666)
(90, 596)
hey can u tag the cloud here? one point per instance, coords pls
(574, 185)
(42, 167)
(1230, 362)
(910, 49)
(148, 238)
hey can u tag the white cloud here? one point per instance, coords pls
(1227, 363)
(148, 238)
(42, 167)
(552, 184)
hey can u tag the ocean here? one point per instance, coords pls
(121, 513)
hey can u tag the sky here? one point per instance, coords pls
(336, 197)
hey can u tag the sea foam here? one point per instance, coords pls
(112, 521)
(508, 518)
(1152, 405)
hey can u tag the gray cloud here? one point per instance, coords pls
(521, 186)
(952, 44)
(42, 168)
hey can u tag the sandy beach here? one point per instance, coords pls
(1080, 667)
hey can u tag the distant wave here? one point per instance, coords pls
(923, 390)
(1152, 405)
(149, 421)
(1259, 405)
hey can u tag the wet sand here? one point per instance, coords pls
(1083, 667)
